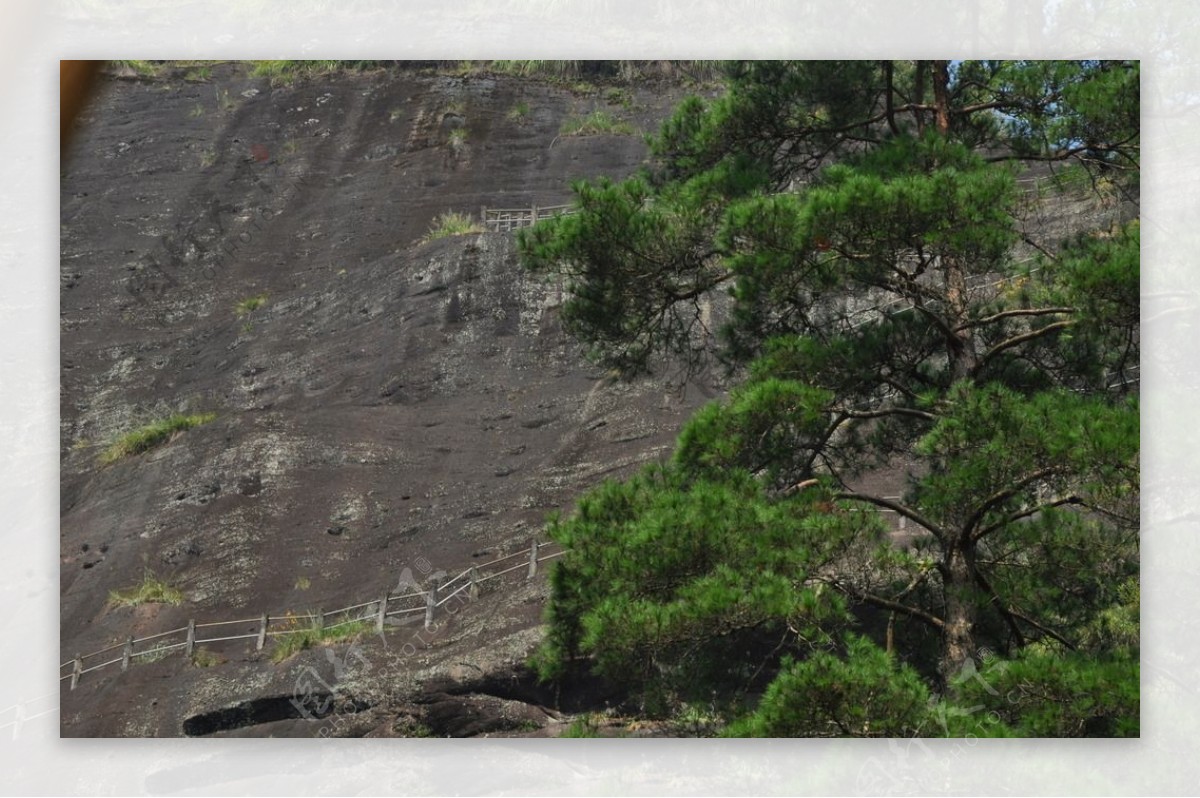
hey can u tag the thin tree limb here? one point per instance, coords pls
(895, 507)
(998, 603)
(1017, 340)
(1011, 313)
(1027, 512)
(891, 411)
(1001, 496)
(1041, 628)
(886, 603)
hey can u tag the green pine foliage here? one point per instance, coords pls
(1044, 694)
(667, 578)
(864, 693)
(886, 305)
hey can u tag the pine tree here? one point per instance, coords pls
(893, 304)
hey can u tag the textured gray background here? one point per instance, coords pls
(33, 36)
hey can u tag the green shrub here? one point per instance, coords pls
(151, 435)
(618, 96)
(151, 590)
(864, 695)
(669, 580)
(199, 73)
(457, 141)
(1042, 693)
(586, 725)
(451, 224)
(597, 123)
(696, 720)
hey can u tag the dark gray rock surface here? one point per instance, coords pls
(389, 402)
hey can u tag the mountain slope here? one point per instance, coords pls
(251, 251)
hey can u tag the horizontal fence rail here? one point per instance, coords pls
(414, 601)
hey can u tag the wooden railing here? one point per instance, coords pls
(378, 611)
(501, 220)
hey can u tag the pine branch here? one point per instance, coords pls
(1017, 340)
(996, 602)
(1027, 512)
(1040, 627)
(1002, 496)
(891, 411)
(1011, 313)
(895, 507)
(886, 603)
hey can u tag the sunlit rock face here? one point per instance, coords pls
(255, 252)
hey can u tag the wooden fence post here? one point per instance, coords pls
(127, 653)
(191, 638)
(534, 217)
(319, 619)
(473, 591)
(483, 215)
(262, 632)
(382, 613)
(430, 604)
(533, 559)
(77, 671)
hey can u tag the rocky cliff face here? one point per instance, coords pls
(252, 251)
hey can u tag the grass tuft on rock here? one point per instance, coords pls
(314, 635)
(519, 112)
(203, 658)
(145, 69)
(597, 123)
(283, 73)
(451, 224)
(151, 435)
(249, 305)
(151, 590)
